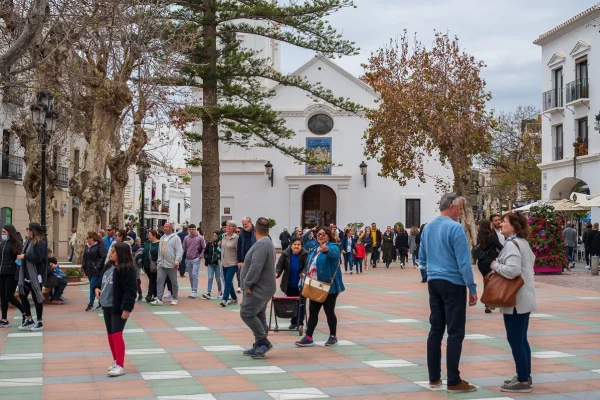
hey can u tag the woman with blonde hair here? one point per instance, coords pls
(229, 245)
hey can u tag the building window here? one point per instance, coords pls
(581, 75)
(413, 213)
(558, 142)
(581, 141)
(76, 165)
(558, 84)
(6, 216)
(320, 124)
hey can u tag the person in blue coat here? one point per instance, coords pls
(323, 264)
(309, 241)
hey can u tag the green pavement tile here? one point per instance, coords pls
(158, 359)
(132, 344)
(248, 362)
(22, 392)
(7, 366)
(375, 356)
(173, 387)
(275, 383)
(151, 367)
(581, 362)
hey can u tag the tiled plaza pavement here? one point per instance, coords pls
(193, 350)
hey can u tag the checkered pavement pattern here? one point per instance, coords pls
(194, 350)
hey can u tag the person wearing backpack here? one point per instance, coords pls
(193, 248)
(487, 249)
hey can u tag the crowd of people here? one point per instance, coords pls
(245, 257)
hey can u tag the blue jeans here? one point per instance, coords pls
(516, 333)
(214, 272)
(93, 281)
(347, 260)
(414, 258)
(423, 273)
(448, 307)
(569, 253)
(358, 264)
(229, 273)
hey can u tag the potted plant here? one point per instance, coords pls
(73, 275)
(546, 239)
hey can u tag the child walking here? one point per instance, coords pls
(117, 292)
(359, 255)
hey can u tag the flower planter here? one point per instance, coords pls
(547, 270)
(73, 279)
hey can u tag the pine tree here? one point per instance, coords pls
(234, 108)
(546, 238)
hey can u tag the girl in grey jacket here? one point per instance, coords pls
(516, 258)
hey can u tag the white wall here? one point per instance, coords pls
(247, 191)
(587, 166)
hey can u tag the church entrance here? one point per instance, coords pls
(319, 206)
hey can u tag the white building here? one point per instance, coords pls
(166, 198)
(571, 106)
(305, 196)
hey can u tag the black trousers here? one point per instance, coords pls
(313, 314)
(152, 288)
(8, 285)
(375, 256)
(39, 307)
(448, 310)
(58, 290)
(114, 323)
(403, 254)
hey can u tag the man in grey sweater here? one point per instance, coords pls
(570, 239)
(259, 285)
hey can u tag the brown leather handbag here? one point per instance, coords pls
(499, 291)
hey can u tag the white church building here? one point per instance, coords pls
(301, 195)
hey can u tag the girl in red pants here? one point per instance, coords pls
(117, 293)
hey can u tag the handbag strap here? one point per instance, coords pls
(516, 244)
(335, 273)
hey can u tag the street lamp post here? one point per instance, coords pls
(363, 171)
(44, 119)
(143, 170)
(270, 172)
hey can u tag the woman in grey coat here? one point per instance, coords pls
(517, 259)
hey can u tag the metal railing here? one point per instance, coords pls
(11, 167)
(579, 89)
(552, 99)
(558, 153)
(63, 177)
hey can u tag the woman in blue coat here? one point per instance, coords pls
(323, 264)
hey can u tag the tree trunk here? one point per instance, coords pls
(211, 186)
(462, 187)
(117, 194)
(90, 183)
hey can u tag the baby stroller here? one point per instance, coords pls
(288, 307)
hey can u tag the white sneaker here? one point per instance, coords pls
(116, 371)
(588, 267)
(174, 302)
(114, 364)
(193, 295)
(238, 290)
(156, 302)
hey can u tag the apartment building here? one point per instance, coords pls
(571, 107)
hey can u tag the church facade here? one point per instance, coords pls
(302, 195)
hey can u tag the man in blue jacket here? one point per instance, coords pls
(445, 253)
(246, 240)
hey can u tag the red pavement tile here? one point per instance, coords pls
(114, 389)
(326, 378)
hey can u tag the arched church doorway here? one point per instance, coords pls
(319, 206)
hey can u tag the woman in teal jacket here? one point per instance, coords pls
(323, 264)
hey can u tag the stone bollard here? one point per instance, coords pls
(594, 263)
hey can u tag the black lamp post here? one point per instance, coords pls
(143, 170)
(363, 171)
(597, 123)
(44, 119)
(270, 171)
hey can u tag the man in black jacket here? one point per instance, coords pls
(247, 239)
(182, 236)
(376, 233)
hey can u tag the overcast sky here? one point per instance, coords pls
(499, 32)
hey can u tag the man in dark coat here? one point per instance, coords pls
(245, 242)
(182, 236)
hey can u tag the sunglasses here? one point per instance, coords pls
(321, 234)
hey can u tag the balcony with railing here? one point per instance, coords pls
(165, 207)
(63, 177)
(11, 167)
(558, 153)
(553, 99)
(578, 90)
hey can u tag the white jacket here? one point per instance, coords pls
(512, 262)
